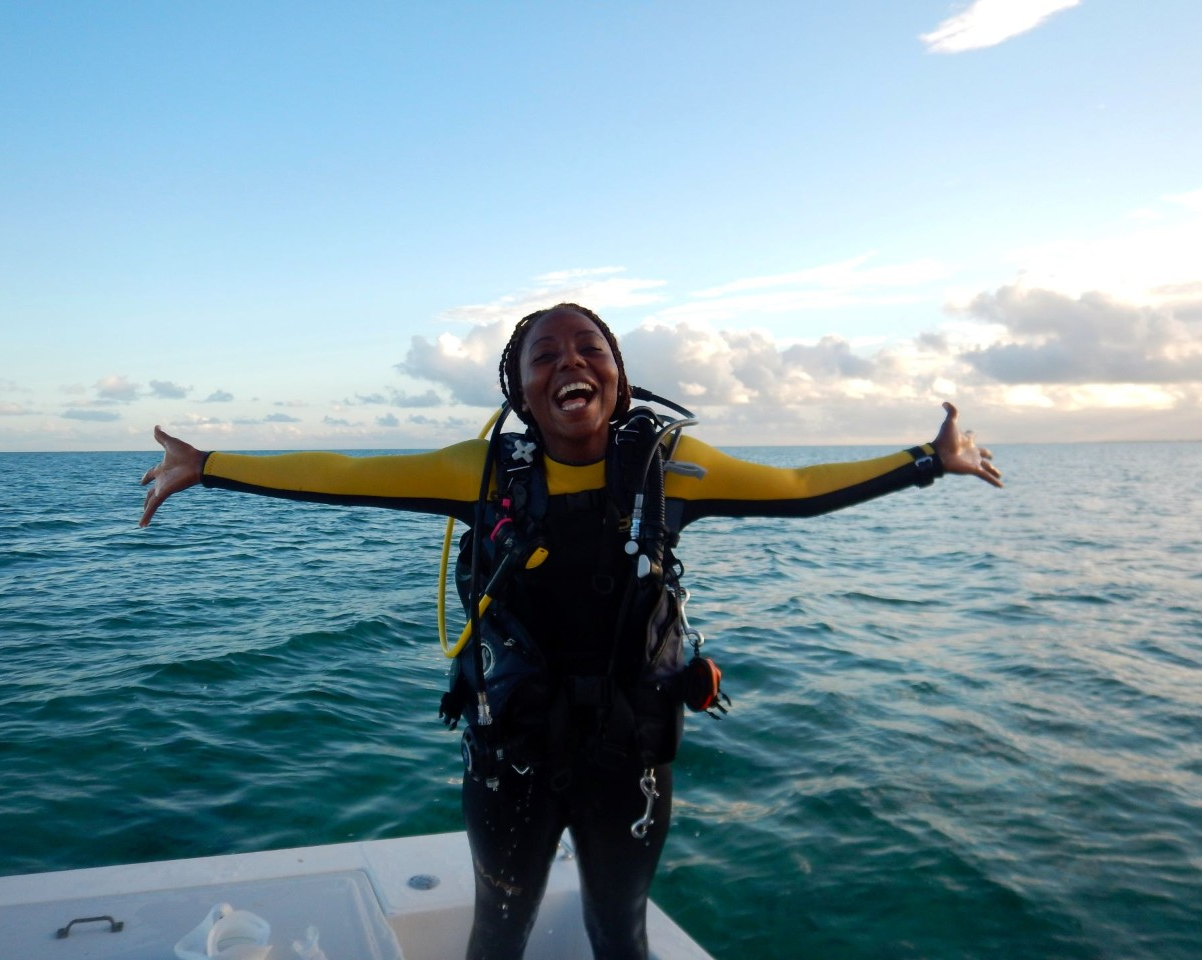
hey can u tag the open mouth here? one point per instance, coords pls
(574, 396)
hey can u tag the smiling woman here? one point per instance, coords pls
(569, 381)
(571, 677)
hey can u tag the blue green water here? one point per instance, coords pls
(967, 722)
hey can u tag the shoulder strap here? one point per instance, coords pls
(518, 477)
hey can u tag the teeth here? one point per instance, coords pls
(568, 388)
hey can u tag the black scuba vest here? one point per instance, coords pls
(579, 653)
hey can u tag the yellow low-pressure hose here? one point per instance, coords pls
(448, 651)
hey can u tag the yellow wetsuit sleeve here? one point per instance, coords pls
(444, 482)
(739, 488)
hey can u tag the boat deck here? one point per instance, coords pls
(402, 899)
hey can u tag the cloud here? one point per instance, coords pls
(280, 418)
(695, 364)
(196, 422)
(467, 363)
(117, 389)
(986, 23)
(219, 396)
(741, 367)
(855, 281)
(399, 398)
(92, 416)
(1028, 350)
(1052, 338)
(14, 410)
(388, 420)
(601, 288)
(165, 390)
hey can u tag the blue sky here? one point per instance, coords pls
(275, 226)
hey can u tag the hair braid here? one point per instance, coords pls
(510, 367)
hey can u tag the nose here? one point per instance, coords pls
(571, 357)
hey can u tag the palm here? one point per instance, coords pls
(181, 468)
(959, 451)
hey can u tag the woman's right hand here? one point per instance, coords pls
(181, 468)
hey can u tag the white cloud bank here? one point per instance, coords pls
(1046, 364)
(986, 23)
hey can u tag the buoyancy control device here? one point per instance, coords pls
(520, 712)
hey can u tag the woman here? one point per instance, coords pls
(587, 701)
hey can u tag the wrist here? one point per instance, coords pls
(927, 463)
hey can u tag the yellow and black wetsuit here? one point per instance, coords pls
(447, 482)
(514, 829)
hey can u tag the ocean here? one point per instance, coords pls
(967, 722)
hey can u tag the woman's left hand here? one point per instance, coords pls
(960, 454)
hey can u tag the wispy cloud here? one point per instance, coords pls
(986, 23)
(166, 390)
(92, 416)
(852, 282)
(117, 389)
(601, 288)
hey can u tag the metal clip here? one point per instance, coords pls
(639, 828)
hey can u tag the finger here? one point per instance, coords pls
(150, 506)
(985, 454)
(151, 474)
(991, 474)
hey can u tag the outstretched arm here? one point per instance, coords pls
(960, 454)
(181, 468)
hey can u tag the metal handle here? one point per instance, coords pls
(115, 926)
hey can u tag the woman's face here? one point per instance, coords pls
(570, 382)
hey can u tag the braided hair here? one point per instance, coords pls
(510, 368)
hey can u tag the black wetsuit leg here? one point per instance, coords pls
(616, 869)
(514, 833)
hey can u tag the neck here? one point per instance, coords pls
(577, 452)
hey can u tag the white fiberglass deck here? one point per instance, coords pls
(405, 899)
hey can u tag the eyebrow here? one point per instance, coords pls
(578, 334)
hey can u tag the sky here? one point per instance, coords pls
(271, 225)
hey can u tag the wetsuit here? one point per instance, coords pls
(447, 482)
(570, 612)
